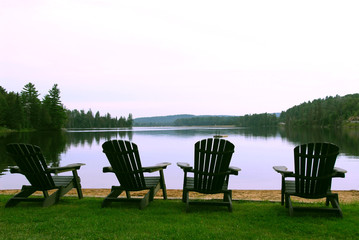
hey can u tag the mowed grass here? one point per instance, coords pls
(85, 219)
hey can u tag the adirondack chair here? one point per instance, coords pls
(31, 163)
(312, 176)
(210, 174)
(126, 164)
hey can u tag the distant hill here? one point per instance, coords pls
(159, 120)
(172, 120)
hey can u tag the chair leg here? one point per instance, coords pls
(25, 192)
(288, 203)
(146, 199)
(184, 196)
(327, 200)
(115, 192)
(282, 199)
(45, 193)
(282, 191)
(128, 194)
(154, 191)
(53, 198)
(163, 185)
(228, 198)
(186, 200)
(334, 200)
(77, 184)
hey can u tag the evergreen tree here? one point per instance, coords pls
(129, 121)
(31, 105)
(3, 106)
(53, 114)
(13, 112)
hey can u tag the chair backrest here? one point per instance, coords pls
(32, 164)
(313, 168)
(126, 164)
(211, 162)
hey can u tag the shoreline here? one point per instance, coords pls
(345, 196)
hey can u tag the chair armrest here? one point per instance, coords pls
(339, 172)
(234, 170)
(107, 169)
(157, 167)
(16, 169)
(67, 168)
(184, 166)
(283, 170)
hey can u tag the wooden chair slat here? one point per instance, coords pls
(125, 161)
(313, 173)
(32, 164)
(211, 170)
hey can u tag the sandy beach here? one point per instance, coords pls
(248, 195)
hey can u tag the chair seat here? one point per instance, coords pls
(190, 187)
(126, 164)
(210, 172)
(152, 181)
(61, 181)
(290, 186)
(312, 176)
(32, 164)
(290, 189)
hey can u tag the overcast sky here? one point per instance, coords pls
(153, 58)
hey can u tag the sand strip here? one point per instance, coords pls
(249, 195)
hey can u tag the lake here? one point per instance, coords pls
(256, 152)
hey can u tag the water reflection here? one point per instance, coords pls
(346, 139)
(257, 150)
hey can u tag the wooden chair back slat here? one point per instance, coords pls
(125, 162)
(313, 168)
(211, 161)
(31, 162)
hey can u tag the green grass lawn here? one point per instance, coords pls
(85, 219)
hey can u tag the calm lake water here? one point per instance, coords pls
(257, 150)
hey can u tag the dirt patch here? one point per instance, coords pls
(251, 195)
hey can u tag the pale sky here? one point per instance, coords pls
(154, 58)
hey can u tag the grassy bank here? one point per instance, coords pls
(85, 219)
(4, 130)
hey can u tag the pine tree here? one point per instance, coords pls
(31, 105)
(53, 113)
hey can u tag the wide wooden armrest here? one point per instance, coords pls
(70, 167)
(234, 170)
(16, 169)
(184, 166)
(339, 172)
(107, 169)
(156, 167)
(282, 170)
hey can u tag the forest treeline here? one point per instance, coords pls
(330, 111)
(80, 119)
(25, 110)
(255, 120)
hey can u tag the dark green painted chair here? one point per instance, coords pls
(126, 164)
(210, 174)
(312, 177)
(31, 163)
